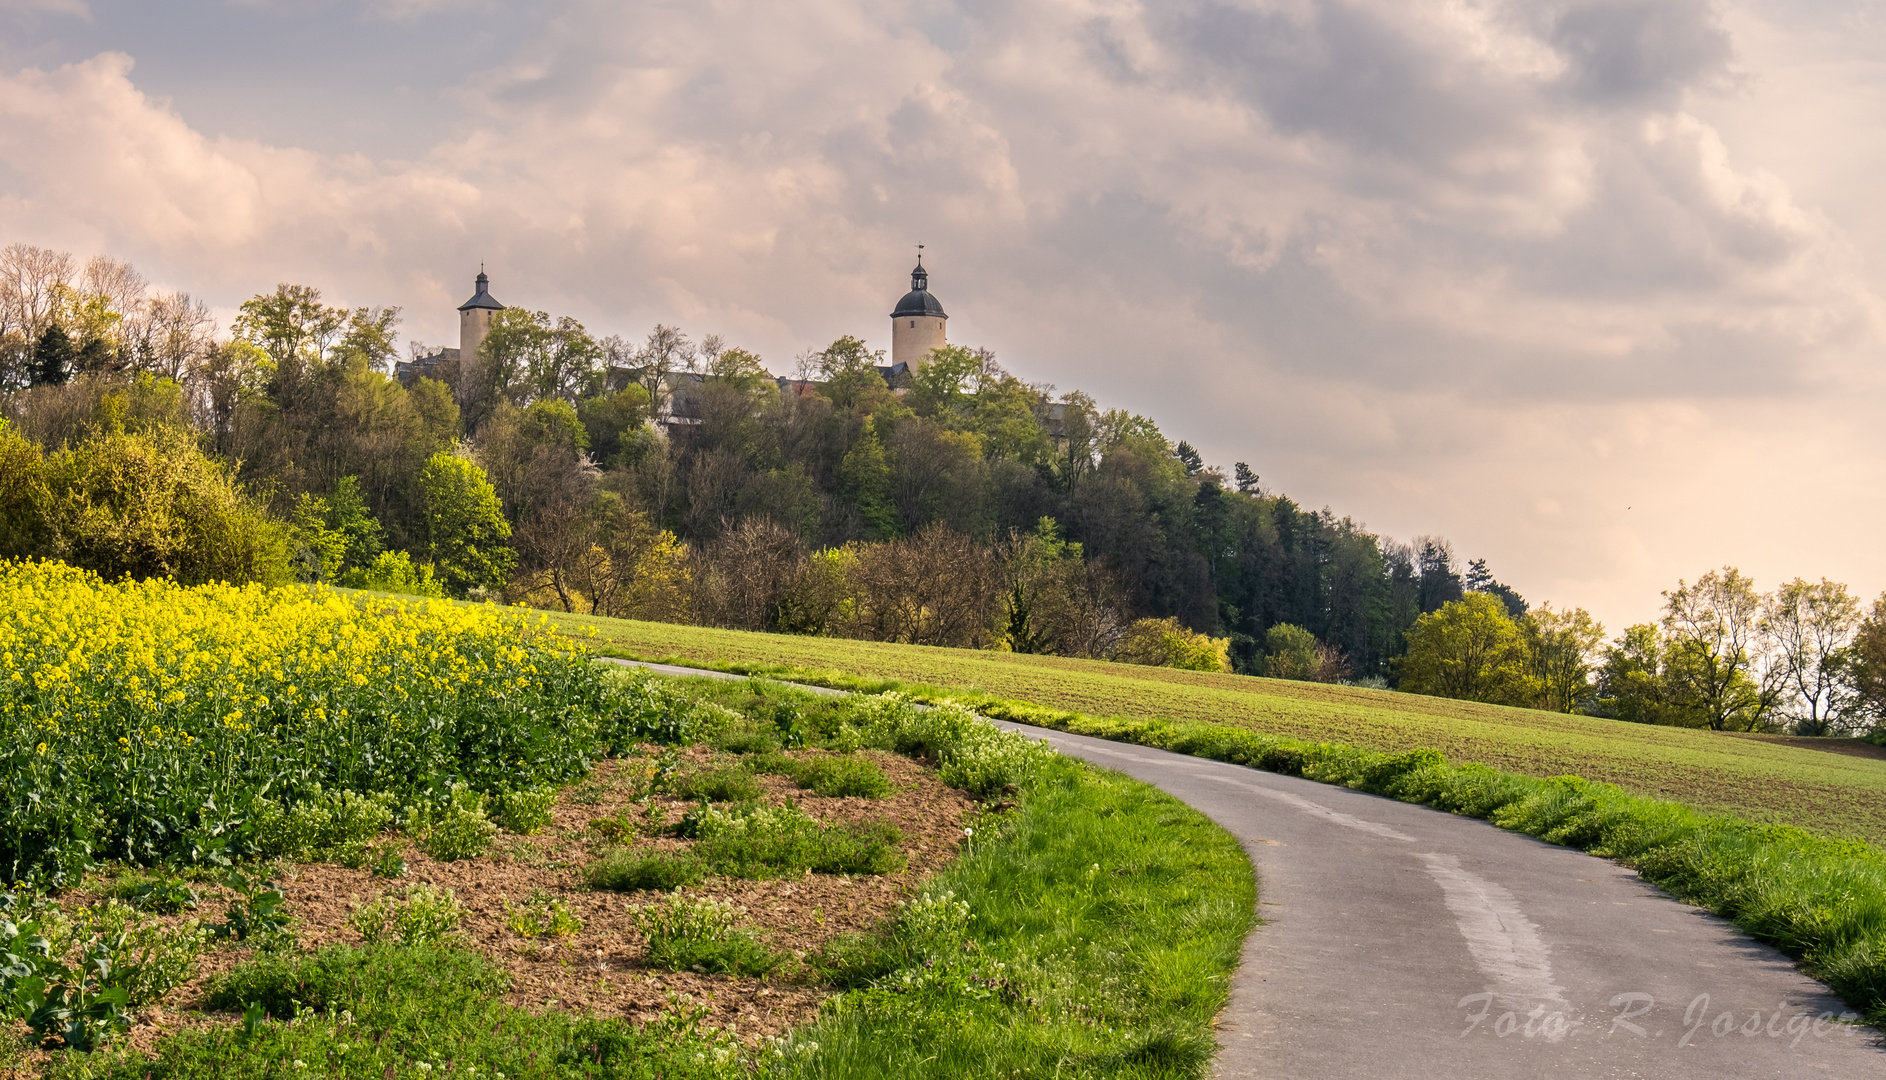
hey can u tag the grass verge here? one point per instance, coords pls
(1092, 932)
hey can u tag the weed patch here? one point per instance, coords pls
(750, 840)
(627, 870)
(841, 777)
(718, 785)
(684, 933)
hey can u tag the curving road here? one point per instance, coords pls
(1403, 943)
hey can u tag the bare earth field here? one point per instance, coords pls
(1796, 781)
(600, 969)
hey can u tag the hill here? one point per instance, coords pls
(1751, 776)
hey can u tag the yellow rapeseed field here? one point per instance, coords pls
(142, 720)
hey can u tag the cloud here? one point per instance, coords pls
(55, 7)
(1425, 261)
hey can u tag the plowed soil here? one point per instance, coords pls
(600, 970)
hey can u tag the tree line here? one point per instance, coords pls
(676, 479)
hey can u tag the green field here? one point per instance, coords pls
(1756, 779)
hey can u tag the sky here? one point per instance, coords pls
(1592, 288)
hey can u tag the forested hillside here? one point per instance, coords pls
(682, 480)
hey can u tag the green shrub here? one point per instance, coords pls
(460, 830)
(329, 825)
(425, 915)
(394, 572)
(527, 811)
(416, 1012)
(152, 504)
(975, 756)
(626, 870)
(771, 762)
(841, 777)
(754, 841)
(73, 975)
(719, 785)
(697, 934)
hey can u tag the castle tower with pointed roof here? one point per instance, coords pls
(917, 323)
(474, 322)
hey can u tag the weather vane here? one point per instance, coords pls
(919, 254)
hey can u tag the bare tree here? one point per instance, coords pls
(742, 579)
(178, 334)
(31, 281)
(1811, 625)
(666, 351)
(936, 588)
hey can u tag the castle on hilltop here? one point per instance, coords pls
(917, 327)
(474, 322)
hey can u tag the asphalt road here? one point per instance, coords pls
(1403, 942)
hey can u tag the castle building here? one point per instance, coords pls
(474, 322)
(917, 324)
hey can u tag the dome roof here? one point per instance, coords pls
(919, 300)
(482, 298)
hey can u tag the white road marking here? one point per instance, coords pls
(1505, 944)
(1316, 809)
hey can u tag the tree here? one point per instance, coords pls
(1716, 664)
(1290, 652)
(1480, 579)
(178, 334)
(53, 358)
(1440, 583)
(849, 371)
(1561, 647)
(1190, 458)
(151, 504)
(1245, 479)
(1863, 667)
(528, 357)
(465, 526)
(1811, 625)
(667, 350)
(1169, 643)
(369, 339)
(866, 477)
(1468, 649)
(290, 324)
(1630, 682)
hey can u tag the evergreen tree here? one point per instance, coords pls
(866, 477)
(52, 357)
(1246, 479)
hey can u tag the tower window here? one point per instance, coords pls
(913, 324)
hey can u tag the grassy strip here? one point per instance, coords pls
(1818, 898)
(1092, 932)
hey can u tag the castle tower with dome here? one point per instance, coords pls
(474, 321)
(917, 323)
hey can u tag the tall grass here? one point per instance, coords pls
(1091, 933)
